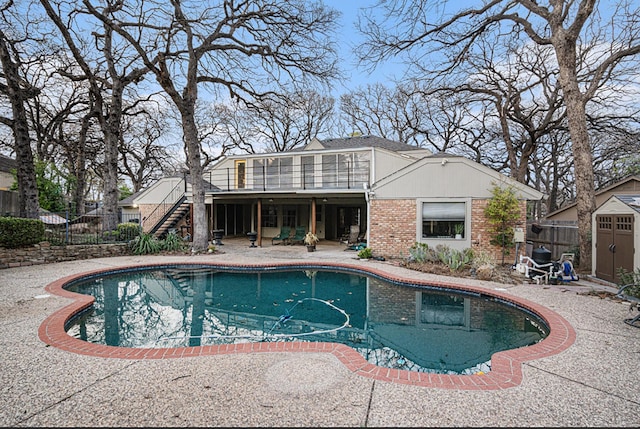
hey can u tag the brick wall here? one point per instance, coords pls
(44, 253)
(393, 228)
(481, 235)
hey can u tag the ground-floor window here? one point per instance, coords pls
(269, 216)
(289, 216)
(443, 219)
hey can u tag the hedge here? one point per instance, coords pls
(20, 232)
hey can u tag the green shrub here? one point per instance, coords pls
(172, 242)
(365, 253)
(419, 252)
(503, 213)
(20, 232)
(453, 258)
(146, 244)
(128, 231)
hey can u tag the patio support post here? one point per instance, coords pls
(213, 215)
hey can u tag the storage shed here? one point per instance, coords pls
(616, 235)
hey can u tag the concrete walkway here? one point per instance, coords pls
(595, 382)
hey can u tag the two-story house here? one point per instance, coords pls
(394, 194)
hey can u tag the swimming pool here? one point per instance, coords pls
(392, 324)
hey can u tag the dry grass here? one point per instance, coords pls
(499, 273)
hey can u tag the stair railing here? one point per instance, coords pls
(158, 214)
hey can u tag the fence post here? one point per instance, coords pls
(66, 235)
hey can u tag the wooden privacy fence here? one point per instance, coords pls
(8, 202)
(558, 237)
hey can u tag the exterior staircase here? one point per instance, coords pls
(171, 218)
(169, 212)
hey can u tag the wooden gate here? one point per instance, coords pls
(614, 246)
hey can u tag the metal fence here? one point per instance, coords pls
(63, 228)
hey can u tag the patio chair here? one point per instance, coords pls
(623, 293)
(353, 234)
(298, 237)
(285, 232)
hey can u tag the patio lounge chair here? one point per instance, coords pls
(623, 293)
(353, 234)
(285, 232)
(301, 231)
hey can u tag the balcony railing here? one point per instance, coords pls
(290, 177)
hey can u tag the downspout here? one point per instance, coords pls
(368, 194)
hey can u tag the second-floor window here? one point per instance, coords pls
(345, 170)
(273, 173)
(308, 172)
(279, 173)
(337, 170)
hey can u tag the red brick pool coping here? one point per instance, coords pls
(506, 366)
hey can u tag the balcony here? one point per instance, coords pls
(291, 174)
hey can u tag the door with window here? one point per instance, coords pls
(241, 174)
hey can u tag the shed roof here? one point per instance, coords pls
(7, 164)
(632, 182)
(631, 200)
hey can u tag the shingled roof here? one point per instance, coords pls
(7, 164)
(366, 141)
(632, 201)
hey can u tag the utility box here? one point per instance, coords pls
(518, 235)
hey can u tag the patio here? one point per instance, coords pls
(592, 383)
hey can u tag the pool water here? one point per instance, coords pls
(392, 325)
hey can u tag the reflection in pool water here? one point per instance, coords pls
(392, 325)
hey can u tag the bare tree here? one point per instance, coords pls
(17, 88)
(64, 125)
(432, 30)
(228, 125)
(249, 49)
(108, 76)
(392, 113)
(277, 124)
(143, 158)
(285, 124)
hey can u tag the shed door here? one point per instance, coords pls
(614, 246)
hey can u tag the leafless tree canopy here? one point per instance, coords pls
(245, 50)
(594, 44)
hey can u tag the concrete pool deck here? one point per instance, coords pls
(592, 382)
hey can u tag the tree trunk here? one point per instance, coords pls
(200, 233)
(79, 159)
(27, 186)
(581, 148)
(110, 173)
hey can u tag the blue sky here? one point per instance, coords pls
(349, 37)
